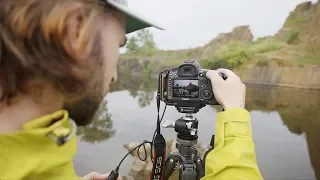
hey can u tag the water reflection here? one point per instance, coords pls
(101, 128)
(297, 110)
(140, 87)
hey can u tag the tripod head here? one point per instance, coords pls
(186, 127)
(187, 133)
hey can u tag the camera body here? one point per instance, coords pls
(186, 87)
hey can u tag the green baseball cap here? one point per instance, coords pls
(134, 20)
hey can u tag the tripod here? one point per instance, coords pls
(190, 163)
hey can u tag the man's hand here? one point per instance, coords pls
(97, 176)
(230, 93)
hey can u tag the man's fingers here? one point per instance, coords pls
(96, 176)
(214, 77)
(104, 176)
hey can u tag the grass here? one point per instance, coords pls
(262, 62)
(293, 37)
(229, 56)
(129, 56)
(265, 45)
(308, 60)
(291, 22)
(172, 62)
(235, 54)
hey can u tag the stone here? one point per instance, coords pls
(138, 166)
(241, 34)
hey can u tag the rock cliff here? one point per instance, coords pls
(303, 22)
(307, 77)
(312, 31)
(297, 21)
(241, 34)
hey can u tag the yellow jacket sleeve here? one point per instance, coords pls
(233, 156)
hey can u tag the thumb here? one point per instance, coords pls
(214, 77)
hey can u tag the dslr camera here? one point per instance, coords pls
(186, 87)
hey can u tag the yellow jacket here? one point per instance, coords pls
(33, 153)
(233, 156)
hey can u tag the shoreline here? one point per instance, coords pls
(291, 86)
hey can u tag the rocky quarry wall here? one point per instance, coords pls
(307, 77)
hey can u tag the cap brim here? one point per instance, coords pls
(134, 20)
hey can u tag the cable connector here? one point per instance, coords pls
(114, 174)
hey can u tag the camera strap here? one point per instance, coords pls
(159, 144)
(159, 157)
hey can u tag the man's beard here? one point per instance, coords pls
(83, 112)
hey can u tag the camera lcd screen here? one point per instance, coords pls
(186, 88)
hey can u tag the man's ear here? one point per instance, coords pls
(72, 30)
(79, 31)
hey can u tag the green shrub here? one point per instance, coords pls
(232, 55)
(291, 22)
(259, 40)
(265, 45)
(262, 62)
(213, 64)
(293, 37)
(204, 63)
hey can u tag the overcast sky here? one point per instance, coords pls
(191, 23)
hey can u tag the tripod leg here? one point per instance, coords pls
(199, 168)
(188, 172)
(169, 167)
(208, 151)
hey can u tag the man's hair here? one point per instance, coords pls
(34, 48)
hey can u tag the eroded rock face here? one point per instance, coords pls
(298, 21)
(241, 34)
(313, 28)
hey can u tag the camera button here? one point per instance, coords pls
(206, 94)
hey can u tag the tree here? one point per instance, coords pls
(142, 43)
(101, 127)
(146, 41)
(132, 45)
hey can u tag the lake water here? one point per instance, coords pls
(285, 122)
